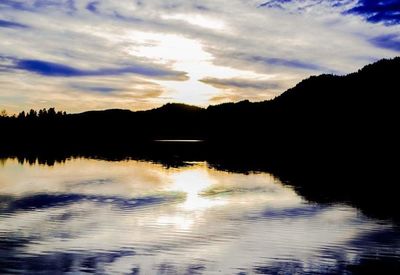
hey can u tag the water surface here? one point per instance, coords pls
(137, 217)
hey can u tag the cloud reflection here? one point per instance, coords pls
(129, 216)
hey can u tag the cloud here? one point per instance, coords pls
(240, 83)
(38, 4)
(297, 64)
(378, 11)
(373, 11)
(96, 89)
(92, 6)
(10, 24)
(274, 3)
(7, 63)
(237, 89)
(301, 6)
(116, 90)
(76, 94)
(105, 46)
(387, 41)
(13, 4)
(46, 68)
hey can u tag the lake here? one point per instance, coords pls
(84, 215)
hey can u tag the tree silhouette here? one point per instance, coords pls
(32, 114)
(51, 113)
(21, 115)
(3, 113)
(42, 113)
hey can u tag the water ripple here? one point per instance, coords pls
(132, 217)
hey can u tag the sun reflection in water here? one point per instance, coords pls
(192, 182)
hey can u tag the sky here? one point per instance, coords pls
(79, 55)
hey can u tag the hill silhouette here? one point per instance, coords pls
(333, 137)
(321, 110)
(325, 108)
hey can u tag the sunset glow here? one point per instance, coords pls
(82, 55)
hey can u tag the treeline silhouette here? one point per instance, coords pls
(333, 137)
(51, 113)
(42, 114)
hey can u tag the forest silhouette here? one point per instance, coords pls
(334, 138)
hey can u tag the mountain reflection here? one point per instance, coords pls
(129, 216)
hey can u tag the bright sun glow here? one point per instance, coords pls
(166, 48)
(192, 182)
(187, 55)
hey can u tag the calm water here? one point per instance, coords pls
(135, 217)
